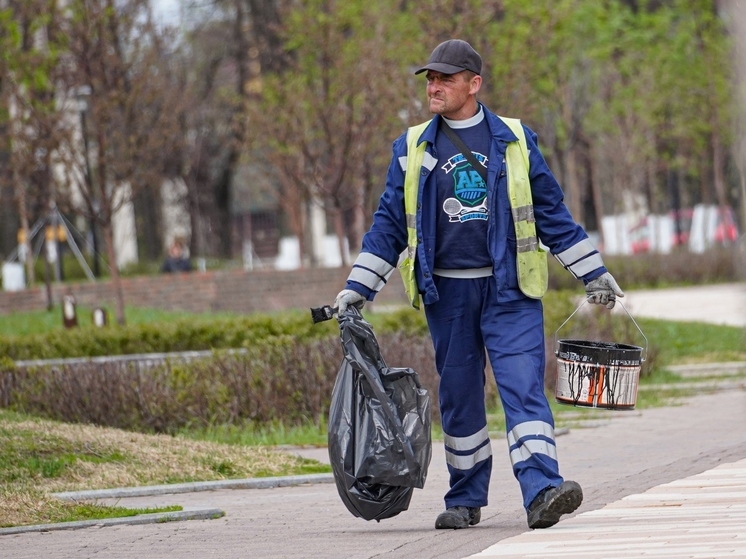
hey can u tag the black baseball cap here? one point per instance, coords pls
(453, 56)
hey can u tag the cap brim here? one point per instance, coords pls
(441, 67)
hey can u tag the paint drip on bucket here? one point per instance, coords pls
(598, 374)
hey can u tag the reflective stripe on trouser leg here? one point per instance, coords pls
(460, 359)
(514, 336)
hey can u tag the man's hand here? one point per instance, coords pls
(604, 290)
(348, 297)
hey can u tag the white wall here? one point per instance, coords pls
(123, 227)
(176, 221)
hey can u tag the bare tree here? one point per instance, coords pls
(214, 70)
(31, 68)
(329, 119)
(115, 54)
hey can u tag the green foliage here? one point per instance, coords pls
(406, 320)
(280, 378)
(187, 333)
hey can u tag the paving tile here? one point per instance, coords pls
(701, 516)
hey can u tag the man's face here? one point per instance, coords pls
(449, 95)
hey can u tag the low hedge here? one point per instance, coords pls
(162, 337)
(276, 379)
(280, 376)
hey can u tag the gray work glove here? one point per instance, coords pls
(349, 297)
(603, 290)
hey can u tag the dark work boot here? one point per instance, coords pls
(553, 502)
(458, 517)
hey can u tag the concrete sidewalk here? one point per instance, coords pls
(627, 455)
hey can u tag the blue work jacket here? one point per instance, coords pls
(387, 237)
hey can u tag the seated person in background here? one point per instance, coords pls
(176, 261)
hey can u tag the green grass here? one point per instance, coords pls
(39, 322)
(695, 342)
(40, 457)
(275, 434)
(92, 511)
(27, 455)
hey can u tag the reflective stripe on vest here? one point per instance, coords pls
(531, 259)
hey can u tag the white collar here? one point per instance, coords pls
(468, 123)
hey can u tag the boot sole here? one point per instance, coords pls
(567, 500)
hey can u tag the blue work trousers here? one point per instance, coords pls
(466, 320)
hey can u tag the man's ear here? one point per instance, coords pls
(476, 83)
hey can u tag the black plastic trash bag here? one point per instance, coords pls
(379, 427)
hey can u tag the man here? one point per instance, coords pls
(471, 236)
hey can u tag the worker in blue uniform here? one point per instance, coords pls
(470, 237)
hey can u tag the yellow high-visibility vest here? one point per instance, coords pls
(531, 259)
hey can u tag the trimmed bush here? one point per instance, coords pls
(277, 379)
(280, 376)
(178, 335)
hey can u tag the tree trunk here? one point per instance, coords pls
(572, 184)
(737, 23)
(23, 215)
(339, 229)
(718, 166)
(597, 192)
(116, 281)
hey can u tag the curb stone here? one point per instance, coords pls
(203, 514)
(169, 489)
(732, 368)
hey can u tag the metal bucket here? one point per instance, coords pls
(598, 374)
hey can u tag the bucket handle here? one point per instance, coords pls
(556, 343)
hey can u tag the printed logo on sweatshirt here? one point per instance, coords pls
(469, 190)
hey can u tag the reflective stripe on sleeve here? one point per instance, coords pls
(372, 281)
(576, 252)
(371, 271)
(593, 262)
(373, 263)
